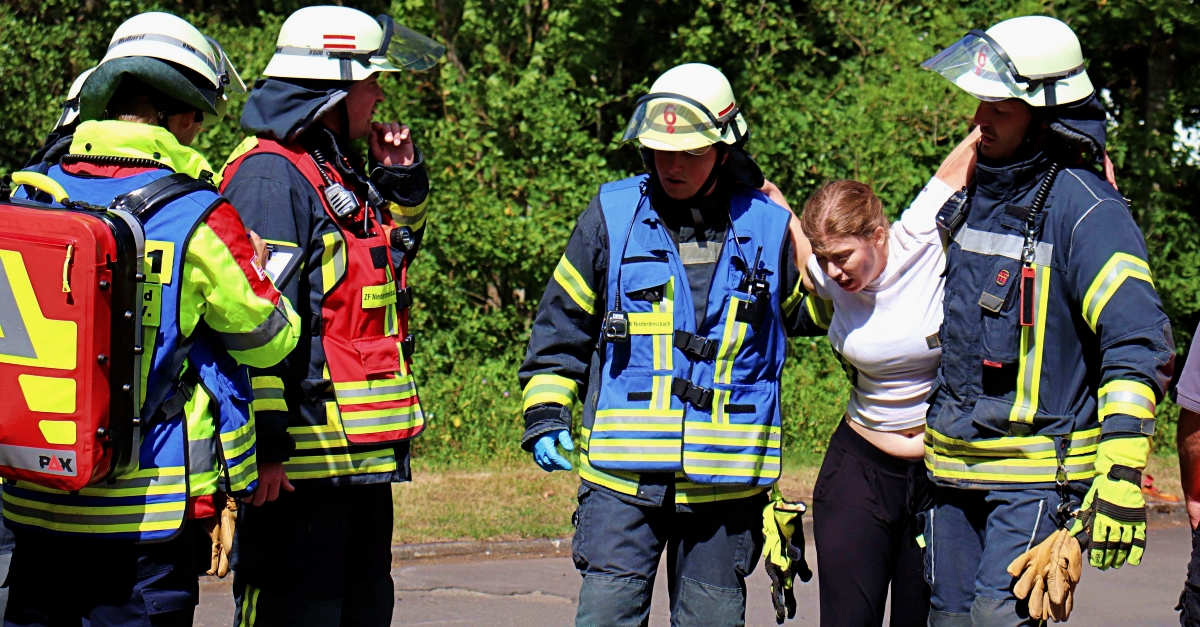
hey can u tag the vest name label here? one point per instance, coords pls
(378, 295)
(657, 323)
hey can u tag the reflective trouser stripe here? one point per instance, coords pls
(1029, 374)
(1119, 267)
(549, 388)
(1013, 447)
(1008, 470)
(1133, 398)
(249, 606)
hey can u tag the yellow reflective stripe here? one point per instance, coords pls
(333, 260)
(793, 299)
(573, 284)
(1029, 373)
(140, 517)
(337, 464)
(1008, 470)
(618, 426)
(241, 474)
(660, 399)
(1133, 398)
(412, 217)
(664, 344)
(1120, 267)
(731, 343)
(238, 441)
(673, 414)
(1012, 447)
(268, 394)
(617, 481)
(549, 388)
(820, 310)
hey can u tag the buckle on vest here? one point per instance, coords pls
(404, 298)
(700, 398)
(692, 344)
(408, 346)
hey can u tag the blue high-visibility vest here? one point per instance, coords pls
(673, 397)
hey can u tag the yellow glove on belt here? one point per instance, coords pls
(1048, 574)
(783, 552)
(220, 529)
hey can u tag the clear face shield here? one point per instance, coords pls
(226, 73)
(665, 121)
(980, 66)
(406, 48)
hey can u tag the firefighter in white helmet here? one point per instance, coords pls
(1055, 346)
(334, 419)
(133, 544)
(666, 318)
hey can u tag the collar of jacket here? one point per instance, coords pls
(114, 138)
(1009, 182)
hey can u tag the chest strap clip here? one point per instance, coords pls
(700, 398)
(696, 346)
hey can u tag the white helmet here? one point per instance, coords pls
(344, 44)
(690, 107)
(71, 106)
(1034, 58)
(152, 47)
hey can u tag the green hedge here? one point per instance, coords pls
(520, 125)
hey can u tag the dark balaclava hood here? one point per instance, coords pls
(1077, 127)
(281, 109)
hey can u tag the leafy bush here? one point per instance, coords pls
(521, 121)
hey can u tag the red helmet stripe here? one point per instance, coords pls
(726, 109)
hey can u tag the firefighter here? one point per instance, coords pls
(667, 315)
(127, 551)
(1055, 346)
(335, 417)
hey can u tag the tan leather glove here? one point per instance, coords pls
(1048, 575)
(220, 529)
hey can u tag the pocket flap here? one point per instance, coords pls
(993, 415)
(379, 355)
(643, 275)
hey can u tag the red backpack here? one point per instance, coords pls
(70, 330)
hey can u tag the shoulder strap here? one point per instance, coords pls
(145, 201)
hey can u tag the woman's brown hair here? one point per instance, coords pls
(842, 208)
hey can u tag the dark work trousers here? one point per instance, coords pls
(865, 525)
(1189, 601)
(60, 581)
(971, 537)
(710, 552)
(319, 556)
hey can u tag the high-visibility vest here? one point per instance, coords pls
(673, 397)
(179, 455)
(366, 383)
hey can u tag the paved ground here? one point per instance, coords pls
(535, 592)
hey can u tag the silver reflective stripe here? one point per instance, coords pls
(1127, 397)
(341, 465)
(377, 390)
(178, 43)
(698, 253)
(640, 420)
(98, 518)
(266, 394)
(350, 421)
(767, 463)
(1113, 275)
(45, 461)
(15, 340)
(202, 456)
(1046, 472)
(1001, 244)
(239, 441)
(297, 51)
(317, 436)
(260, 336)
(598, 449)
(749, 438)
(1045, 449)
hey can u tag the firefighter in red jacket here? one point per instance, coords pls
(334, 418)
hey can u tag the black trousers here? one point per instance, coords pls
(319, 557)
(1189, 601)
(865, 507)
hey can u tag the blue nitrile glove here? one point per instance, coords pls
(546, 455)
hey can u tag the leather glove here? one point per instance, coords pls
(1113, 517)
(546, 454)
(783, 552)
(1048, 574)
(220, 529)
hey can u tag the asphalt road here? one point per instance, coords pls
(534, 592)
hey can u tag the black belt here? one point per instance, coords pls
(700, 398)
(696, 346)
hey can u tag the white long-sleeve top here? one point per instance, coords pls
(887, 331)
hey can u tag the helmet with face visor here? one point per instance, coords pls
(689, 108)
(168, 54)
(1035, 58)
(343, 44)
